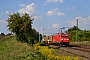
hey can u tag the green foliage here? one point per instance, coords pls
(9, 34)
(11, 49)
(36, 35)
(2, 34)
(49, 53)
(83, 35)
(73, 29)
(21, 26)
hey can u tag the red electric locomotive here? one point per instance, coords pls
(60, 38)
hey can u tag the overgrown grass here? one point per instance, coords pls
(49, 53)
(11, 49)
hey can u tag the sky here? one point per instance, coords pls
(49, 15)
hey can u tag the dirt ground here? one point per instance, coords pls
(2, 37)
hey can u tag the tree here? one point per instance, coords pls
(73, 29)
(35, 35)
(9, 34)
(40, 37)
(83, 35)
(2, 34)
(72, 33)
(21, 26)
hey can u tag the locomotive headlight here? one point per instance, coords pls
(61, 39)
(67, 39)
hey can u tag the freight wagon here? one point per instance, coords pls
(48, 39)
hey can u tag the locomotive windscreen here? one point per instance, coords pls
(64, 36)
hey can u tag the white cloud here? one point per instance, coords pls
(81, 21)
(55, 1)
(44, 4)
(7, 12)
(68, 8)
(55, 12)
(1, 14)
(21, 5)
(88, 17)
(37, 17)
(2, 21)
(55, 25)
(50, 13)
(30, 9)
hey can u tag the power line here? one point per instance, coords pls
(75, 11)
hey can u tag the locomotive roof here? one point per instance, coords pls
(61, 34)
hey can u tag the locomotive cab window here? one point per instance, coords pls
(64, 36)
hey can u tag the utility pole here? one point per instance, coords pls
(77, 30)
(39, 37)
(43, 33)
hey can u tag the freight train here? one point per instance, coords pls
(60, 39)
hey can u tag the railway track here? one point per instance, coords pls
(80, 50)
(82, 46)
